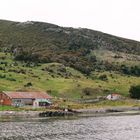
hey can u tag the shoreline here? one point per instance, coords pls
(109, 109)
(20, 113)
(93, 111)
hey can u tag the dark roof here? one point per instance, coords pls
(27, 95)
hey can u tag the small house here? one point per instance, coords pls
(36, 99)
(113, 96)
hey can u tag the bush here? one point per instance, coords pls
(2, 76)
(11, 79)
(88, 91)
(103, 77)
(28, 84)
(135, 92)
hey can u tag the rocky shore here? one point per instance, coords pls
(109, 109)
(94, 111)
(20, 113)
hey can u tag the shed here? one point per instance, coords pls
(36, 99)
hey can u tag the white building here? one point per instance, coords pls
(113, 97)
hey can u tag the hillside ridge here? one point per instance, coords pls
(42, 42)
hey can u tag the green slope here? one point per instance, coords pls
(66, 62)
(60, 81)
(44, 42)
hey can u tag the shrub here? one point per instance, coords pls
(88, 91)
(103, 77)
(11, 79)
(2, 76)
(28, 84)
(135, 92)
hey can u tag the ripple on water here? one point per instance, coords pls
(91, 128)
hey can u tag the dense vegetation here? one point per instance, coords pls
(135, 92)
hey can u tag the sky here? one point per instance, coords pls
(117, 17)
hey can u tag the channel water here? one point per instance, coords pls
(126, 127)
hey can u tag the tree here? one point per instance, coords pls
(135, 92)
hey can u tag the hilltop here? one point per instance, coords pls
(82, 49)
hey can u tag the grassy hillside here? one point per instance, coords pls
(60, 81)
(66, 62)
(76, 48)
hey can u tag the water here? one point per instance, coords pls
(85, 128)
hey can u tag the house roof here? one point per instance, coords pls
(115, 94)
(27, 95)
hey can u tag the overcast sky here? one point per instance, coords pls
(118, 17)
